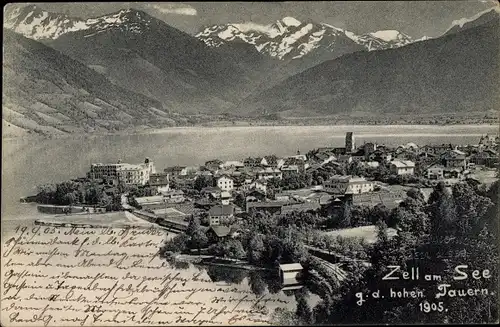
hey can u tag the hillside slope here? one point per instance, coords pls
(47, 92)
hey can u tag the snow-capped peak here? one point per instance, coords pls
(38, 24)
(290, 21)
(387, 35)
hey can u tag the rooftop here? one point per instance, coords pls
(169, 213)
(220, 230)
(270, 170)
(221, 210)
(149, 199)
(347, 178)
(403, 163)
(291, 266)
(225, 194)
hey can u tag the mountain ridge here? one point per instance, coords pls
(453, 73)
(48, 92)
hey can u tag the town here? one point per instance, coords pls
(310, 222)
(224, 193)
(337, 188)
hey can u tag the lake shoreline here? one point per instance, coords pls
(229, 126)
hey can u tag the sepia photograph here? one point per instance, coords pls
(250, 163)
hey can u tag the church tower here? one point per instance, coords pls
(349, 142)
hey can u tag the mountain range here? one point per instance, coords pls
(130, 64)
(456, 73)
(289, 38)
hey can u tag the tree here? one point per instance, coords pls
(234, 249)
(345, 221)
(201, 182)
(256, 249)
(379, 213)
(415, 193)
(177, 244)
(257, 283)
(197, 237)
(303, 312)
(441, 208)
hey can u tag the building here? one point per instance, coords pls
(160, 181)
(488, 140)
(174, 171)
(225, 183)
(225, 197)
(290, 170)
(149, 200)
(437, 172)
(212, 193)
(488, 158)
(348, 185)
(260, 184)
(344, 159)
(271, 161)
(256, 195)
(291, 274)
(371, 164)
(389, 199)
(368, 148)
(255, 162)
(220, 214)
(380, 155)
(436, 149)
(298, 161)
(218, 233)
(270, 173)
(232, 165)
(402, 167)
(454, 159)
(350, 145)
(189, 170)
(213, 165)
(173, 196)
(271, 207)
(128, 174)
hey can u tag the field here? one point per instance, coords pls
(368, 233)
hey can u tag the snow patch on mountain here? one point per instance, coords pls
(387, 35)
(290, 21)
(38, 24)
(311, 44)
(288, 38)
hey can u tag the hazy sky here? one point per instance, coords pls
(416, 18)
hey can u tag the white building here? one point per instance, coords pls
(127, 173)
(348, 185)
(290, 275)
(403, 167)
(160, 181)
(225, 197)
(260, 184)
(225, 183)
(220, 214)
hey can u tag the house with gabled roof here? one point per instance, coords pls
(402, 167)
(220, 214)
(220, 233)
(225, 183)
